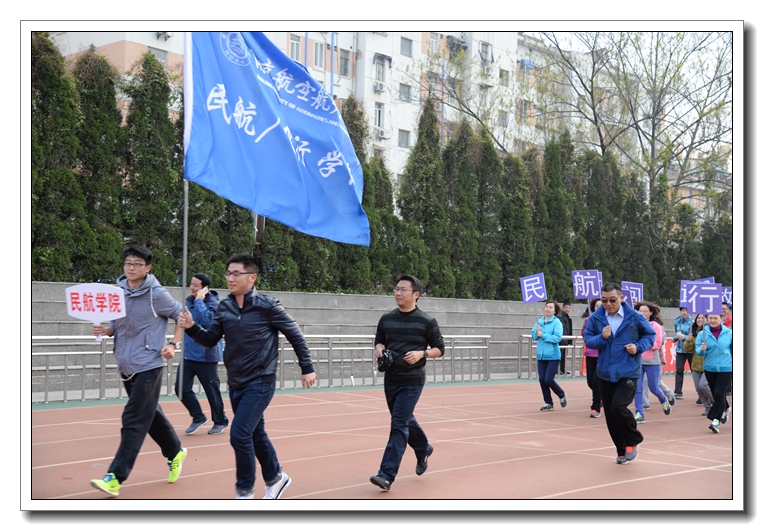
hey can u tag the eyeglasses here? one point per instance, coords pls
(611, 300)
(133, 265)
(235, 274)
(401, 290)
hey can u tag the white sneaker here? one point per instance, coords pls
(274, 492)
(245, 494)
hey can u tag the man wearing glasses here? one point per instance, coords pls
(620, 334)
(413, 336)
(251, 323)
(140, 353)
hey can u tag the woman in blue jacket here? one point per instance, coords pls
(714, 343)
(548, 333)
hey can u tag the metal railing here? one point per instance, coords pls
(526, 356)
(79, 368)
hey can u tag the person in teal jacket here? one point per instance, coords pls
(714, 343)
(548, 332)
(621, 335)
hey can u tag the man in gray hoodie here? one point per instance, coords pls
(141, 353)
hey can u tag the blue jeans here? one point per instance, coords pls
(248, 437)
(547, 369)
(207, 372)
(404, 429)
(653, 376)
(142, 415)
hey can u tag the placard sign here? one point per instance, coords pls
(95, 302)
(632, 292)
(727, 294)
(586, 283)
(533, 288)
(701, 297)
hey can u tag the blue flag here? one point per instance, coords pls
(261, 132)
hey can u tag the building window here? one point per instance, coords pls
(407, 46)
(379, 110)
(432, 84)
(345, 63)
(405, 93)
(403, 138)
(318, 55)
(379, 153)
(486, 57)
(503, 119)
(504, 78)
(161, 55)
(294, 47)
(434, 48)
(379, 68)
(525, 72)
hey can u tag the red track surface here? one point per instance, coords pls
(491, 443)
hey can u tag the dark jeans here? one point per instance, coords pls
(718, 382)
(681, 359)
(207, 372)
(404, 429)
(616, 397)
(547, 370)
(142, 415)
(593, 381)
(248, 436)
(563, 355)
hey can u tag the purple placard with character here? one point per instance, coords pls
(701, 297)
(533, 288)
(632, 292)
(727, 294)
(586, 283)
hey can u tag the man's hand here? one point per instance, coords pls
(607, 331)
(631, 348)
(185, 320)
(308, 380)
(168, 352)
(412, 356)
(680, 336)
(378, 349)
(100, 330)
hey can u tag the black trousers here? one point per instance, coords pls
(616, 397)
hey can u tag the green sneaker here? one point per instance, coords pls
(108, 484)
(176, 465)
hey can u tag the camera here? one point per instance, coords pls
(385, 360)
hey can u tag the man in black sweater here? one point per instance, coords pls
(567, 330)
(413, 336)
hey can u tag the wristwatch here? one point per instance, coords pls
(425, 354)
(174, 344)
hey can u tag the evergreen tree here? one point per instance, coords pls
(460, 159)
(278, 270)
(154, 192)
(631, 249)
(540, 218)
(491, 197)
(99, 166)
(559, 227)
(61, 236)
(517, 234)
(422, 202)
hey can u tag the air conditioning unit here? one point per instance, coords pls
(383, 134)
(379, 86)
(487, 70)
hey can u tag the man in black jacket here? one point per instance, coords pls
(251, 323)
(567, 330)
(414, 336)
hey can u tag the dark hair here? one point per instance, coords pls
(140, 252)
(611, 286)
(247, 260)
(695, 326)
(590, 308)
(557, 308)
(655, 310)
(566, 303)
(682, 308)
(725, 303)
(416, 284)
(204, 279)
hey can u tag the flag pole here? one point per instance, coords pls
(183, 279)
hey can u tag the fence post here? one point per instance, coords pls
(102, 387)
(486, 360)
(331, 364)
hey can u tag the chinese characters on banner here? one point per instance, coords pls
(586, 284)
(701, 297)
(632, 292)
(727, 294)
(95, 302)
(533, 288)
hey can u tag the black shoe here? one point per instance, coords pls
(699, 402)
(194, 427)
(380, 482)
(421, 464)
(678, 396)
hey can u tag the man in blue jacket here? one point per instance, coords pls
(682, 328)
(251, 323)
(620, 334)
(202, 362)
